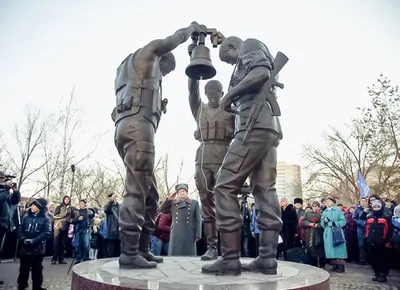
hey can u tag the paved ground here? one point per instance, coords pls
(356, 277)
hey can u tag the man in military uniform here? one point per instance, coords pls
(137, 114)
(215, 128)
(186, 222)
(256, 158)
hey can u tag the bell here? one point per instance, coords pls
(200, 67)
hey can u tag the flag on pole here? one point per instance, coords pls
(363, 186)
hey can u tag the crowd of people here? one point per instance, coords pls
(322, 231)
(317, 233)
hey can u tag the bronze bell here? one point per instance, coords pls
(200, 67)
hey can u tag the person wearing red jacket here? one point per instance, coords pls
(160, 237)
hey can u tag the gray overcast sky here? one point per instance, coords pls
(336, 49)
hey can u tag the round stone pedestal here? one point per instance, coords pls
(185, 273)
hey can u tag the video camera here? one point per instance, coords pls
(8, 180)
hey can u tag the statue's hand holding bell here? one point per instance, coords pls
(196, 28)
(217, 34)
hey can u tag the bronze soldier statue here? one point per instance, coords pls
(137, 114)
(256, 157)
(215, 128)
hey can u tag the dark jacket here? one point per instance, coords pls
(379, 228)
(301, 212)
(7, 206)
(36, 227)
(62, 215)
(112, 212)
(246, 222)
(360, 223)
(84, 224)
(350, 231)
(163, 226)
(314, 240)
(289, 228)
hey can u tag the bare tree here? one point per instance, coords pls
(29, 139)
(370, 147)
(4, 162)
(94, 184)
(163, 178)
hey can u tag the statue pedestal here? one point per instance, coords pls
(185, 273)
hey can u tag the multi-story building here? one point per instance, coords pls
(288, 181)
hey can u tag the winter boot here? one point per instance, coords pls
(376, 276)
(130, 258)
(266, 262)
(340, 268)
(210, 230)
(382, 278)
(229, 264)
(144, 248)
(334, 267)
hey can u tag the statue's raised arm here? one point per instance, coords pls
(162, 46)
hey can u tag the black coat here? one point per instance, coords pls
(36, 227)
(84, 224)
(289, 228)
(7, 206)
(246, 222)
(112, 212)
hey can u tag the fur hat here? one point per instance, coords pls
(298, 200)
(184, 186)
(41, 203)
(331, 198)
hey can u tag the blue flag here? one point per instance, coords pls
(363, 186)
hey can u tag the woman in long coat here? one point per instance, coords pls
(186, 222)
(333, 216)
(314, 240)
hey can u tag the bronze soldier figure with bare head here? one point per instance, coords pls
(138, 110)
(252, 153)
(215, 128)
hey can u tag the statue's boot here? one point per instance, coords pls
(144, 248)
(130, 258)
(266, 262)
(210, 230)
(229, 264)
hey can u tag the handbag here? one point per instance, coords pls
(337, 236)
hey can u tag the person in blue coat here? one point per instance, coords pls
(255, 232)
(361, 229)
(333, 217)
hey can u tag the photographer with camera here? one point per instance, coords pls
(7, 202)
(82, 221)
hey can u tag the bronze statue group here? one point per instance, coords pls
(239, 132)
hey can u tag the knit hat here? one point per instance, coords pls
(331, 198)
(298, 200)
(396, 211)
(316, 203)
(182, 186)
(377, 203)
(41, 203)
